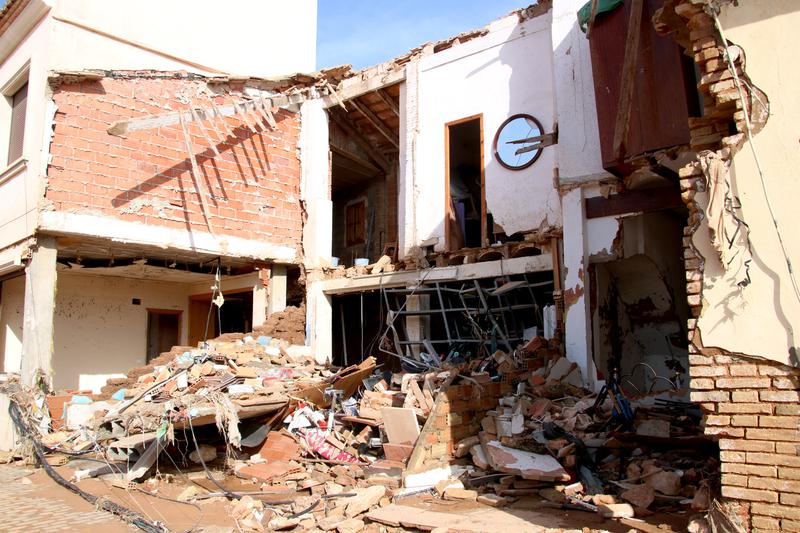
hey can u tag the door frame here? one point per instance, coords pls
(158, 311)
(484, 233)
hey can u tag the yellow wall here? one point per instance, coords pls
(758, 319)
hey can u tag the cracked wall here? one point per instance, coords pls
(742, 351)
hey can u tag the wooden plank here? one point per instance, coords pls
(244, 112)
(638, 201)
(358, 136)
(267, 112)
(348, 89)
(356, 162)
(218, 115)
(198, 179)
(122, 127)
(400, 424)
(628, 77)
(417, 459)
(389, 101)
(211, 144)
(376, 122)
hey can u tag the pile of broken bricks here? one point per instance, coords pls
(292, 444)
(550, 439)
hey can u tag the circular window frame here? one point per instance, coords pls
(497, 138)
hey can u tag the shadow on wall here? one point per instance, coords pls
(494, 84)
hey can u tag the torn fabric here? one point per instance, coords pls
(730, 235)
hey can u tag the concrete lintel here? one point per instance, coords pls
(39, 309)
(506, 267)
(75, 224)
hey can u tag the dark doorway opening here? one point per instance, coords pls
(468, 224)
(163, 331)
(358, 321)
(235, 315)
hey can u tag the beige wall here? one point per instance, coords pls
(247, 37)
(11, 302)
(99, 332)
(758, 319)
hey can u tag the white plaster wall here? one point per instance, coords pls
(578, 148)
(99, 332)
(11, 306)
(20, 189)
(763, 318)
(507, 71)
(315, 183)
(251, 37)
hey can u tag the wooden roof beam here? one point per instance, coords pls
(355, 87)
(351, 129)
(376, 122)
(389, 101)
(123, 127)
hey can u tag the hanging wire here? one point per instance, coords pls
(749, 131)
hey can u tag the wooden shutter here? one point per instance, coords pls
(17, 132)
(355, 222)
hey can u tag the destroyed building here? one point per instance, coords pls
(118, 248)
(600, 181)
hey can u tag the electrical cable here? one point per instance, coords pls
(124, 513)
(226, 492)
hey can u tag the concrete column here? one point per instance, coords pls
(318, 229)
(577, 318)
(316, 186)
(417, 326)
(406, 175)
(40, 301)
(319, 320)
(277, 290)
(261, 297)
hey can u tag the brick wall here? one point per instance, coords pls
(750, 404)
(457, 415)
(752, 407)
(253, 185)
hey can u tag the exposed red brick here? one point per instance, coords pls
(253, 186)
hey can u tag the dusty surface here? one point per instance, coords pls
(30, 501)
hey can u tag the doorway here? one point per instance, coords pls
(235, 315)
(467, 222)
(163, 331)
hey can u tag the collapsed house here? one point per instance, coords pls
(597, 193)
(116, 240)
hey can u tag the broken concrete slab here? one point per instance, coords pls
(527, 465)
(640, 496)
(456, 493)
(479, 457)
(351, 525)
(364, 499)
(492, 500)
(668, 483)
(400, 424)
(616, 510)
(480, 519)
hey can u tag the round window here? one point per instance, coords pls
(515, 144)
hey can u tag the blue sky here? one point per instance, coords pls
(367, 32)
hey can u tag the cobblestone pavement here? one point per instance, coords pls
(26, 508)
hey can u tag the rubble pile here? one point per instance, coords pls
(291, 444)
(617, 455)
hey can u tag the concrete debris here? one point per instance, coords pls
(320, 448)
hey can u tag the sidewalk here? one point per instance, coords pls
(41, 505)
